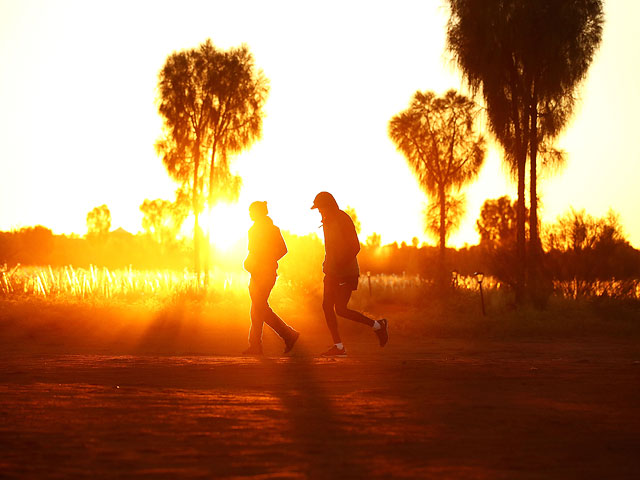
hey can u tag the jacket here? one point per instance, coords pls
(266, 247)
(341, 245)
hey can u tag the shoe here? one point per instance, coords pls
(334, 351)
(291, 341)
(252, 351)
(383, 333)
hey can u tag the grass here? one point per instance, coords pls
(120, 297)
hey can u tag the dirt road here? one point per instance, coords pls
(467, 409)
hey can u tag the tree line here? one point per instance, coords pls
(576, 247)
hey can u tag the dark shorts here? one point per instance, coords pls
(331, 282)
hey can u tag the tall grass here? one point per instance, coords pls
(103, 283)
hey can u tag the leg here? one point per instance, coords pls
(258, 302)
(259, 308)
(263, 286)
(328, 306)
(342, 299)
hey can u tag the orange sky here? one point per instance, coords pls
(79, 119)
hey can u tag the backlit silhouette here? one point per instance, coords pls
(211, 102)
(266, 247)
(526, 59)
(341, 272)
(438, 137)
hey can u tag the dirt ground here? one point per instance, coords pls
(422, 407)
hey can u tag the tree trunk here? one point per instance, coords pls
(443, 237)
(207, 257)
(210, 199)
(535, 248)
(196, 212)
(520, 134)
(521, 234)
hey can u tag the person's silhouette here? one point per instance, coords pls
(341, 272)
(266, 247)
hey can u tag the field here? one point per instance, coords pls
(137, 375)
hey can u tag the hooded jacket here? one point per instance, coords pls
(266, 247)
(341, 245)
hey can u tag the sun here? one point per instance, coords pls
(228, 225)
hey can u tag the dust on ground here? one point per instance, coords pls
(422, 407)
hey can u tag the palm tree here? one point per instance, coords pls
(437, 136)
(526, 58)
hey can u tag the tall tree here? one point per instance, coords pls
(526, 58)
(211, 102)
(438, 137)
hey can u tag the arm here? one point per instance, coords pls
(249, 263)
(350, 245)
(280, 249)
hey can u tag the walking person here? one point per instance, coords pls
(266, 247)
(341, 271)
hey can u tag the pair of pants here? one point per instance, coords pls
(336, 295)
(259, 291)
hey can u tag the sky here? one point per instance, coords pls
(78, 116)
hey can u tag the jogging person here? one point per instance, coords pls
(341, 271)
(266, 247)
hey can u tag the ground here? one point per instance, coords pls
(455, 407)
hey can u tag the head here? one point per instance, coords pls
(325, 203)
(258, 210)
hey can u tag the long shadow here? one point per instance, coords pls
(324, 446)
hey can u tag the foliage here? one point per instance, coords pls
(211, 103)
(302, 265)
(354, 218)
(98, 222)
(497, 222)
(497, 228)
(455, 210)
(162, 219)
(526, 58)
(586, 256)
(585, 249)
(437, 136)
(374, 240)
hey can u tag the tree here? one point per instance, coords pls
(374, 240)
(212, 103)
(162, 219)
(526, 58)
(583, 249)
(98, 222)
(497, 229)
(354, 217)
(35, 245)
(497, 222)
(455, 210)
(437, 136)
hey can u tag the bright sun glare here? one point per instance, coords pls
(229, 224)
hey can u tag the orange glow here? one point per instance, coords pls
(326, 120)
(228, 224)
